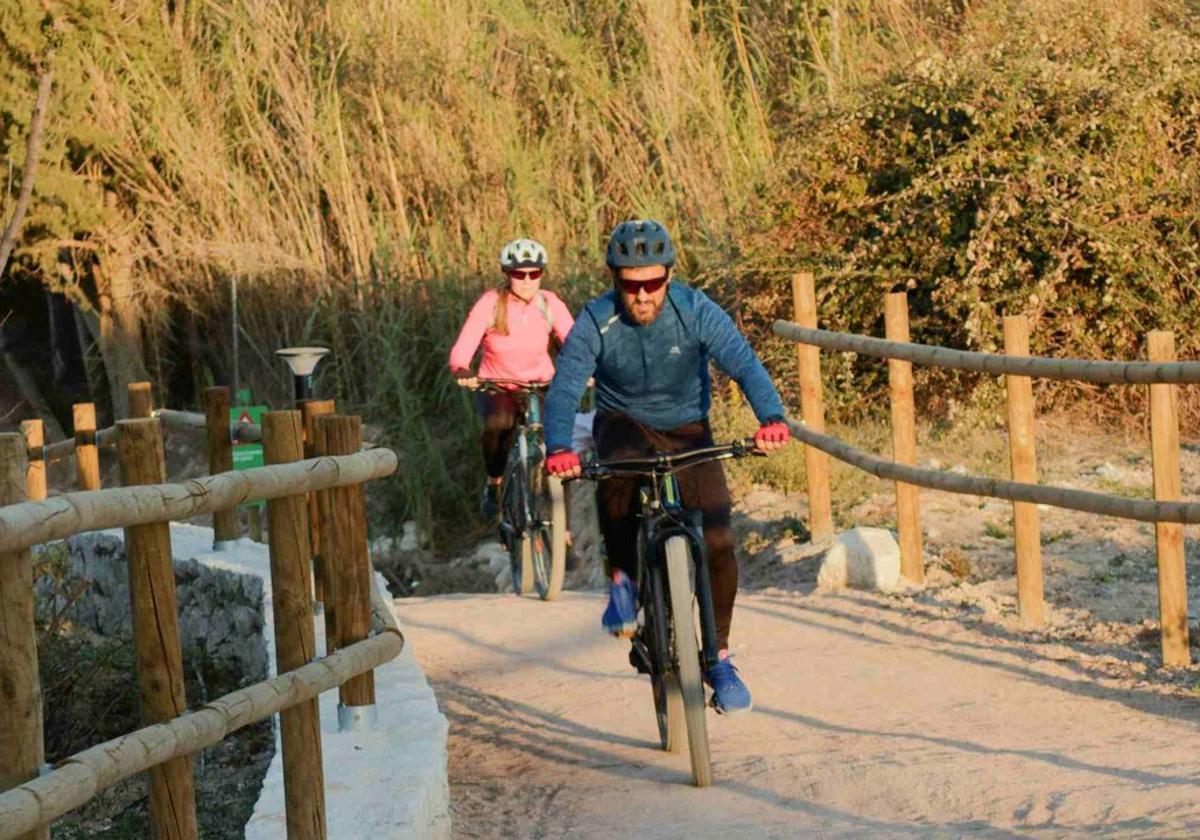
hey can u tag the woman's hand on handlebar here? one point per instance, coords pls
(465, 379)
(564, 464)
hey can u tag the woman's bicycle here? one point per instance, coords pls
(674, 586)
(533, 513)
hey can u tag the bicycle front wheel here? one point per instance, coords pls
(679, 581)
(548, 533)
(664, 681)
(520, 555)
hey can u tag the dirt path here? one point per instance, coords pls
(869, 721)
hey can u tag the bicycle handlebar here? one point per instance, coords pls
(666, 462)
(520, 386)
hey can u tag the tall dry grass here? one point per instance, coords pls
(356, 164)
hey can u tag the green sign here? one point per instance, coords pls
(247, 455)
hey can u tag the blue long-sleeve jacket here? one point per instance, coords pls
(656, 373)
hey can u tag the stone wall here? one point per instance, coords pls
(220, 612)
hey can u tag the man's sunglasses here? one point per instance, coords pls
(632, 287)
(526, 274)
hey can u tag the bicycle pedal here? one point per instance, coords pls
(638, 660)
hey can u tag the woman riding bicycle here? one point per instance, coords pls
(513, 323)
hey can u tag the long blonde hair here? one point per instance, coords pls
(500, 315)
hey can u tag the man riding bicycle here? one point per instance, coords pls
(648, 343)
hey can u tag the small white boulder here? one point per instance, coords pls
(412, 539)
(861, 558)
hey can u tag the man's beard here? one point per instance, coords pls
(645, 313)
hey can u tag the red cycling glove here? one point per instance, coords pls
(776, 432)
(559, 463)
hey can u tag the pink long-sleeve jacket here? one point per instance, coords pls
(523, 353)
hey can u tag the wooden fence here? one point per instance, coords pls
(1162, 374)
(360, 631)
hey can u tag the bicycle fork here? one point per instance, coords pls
(703, 588)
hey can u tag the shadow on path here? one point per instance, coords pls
(952, 648)
(1142, 777)
(495, 723)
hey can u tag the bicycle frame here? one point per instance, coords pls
(525, 442)
(663, 517)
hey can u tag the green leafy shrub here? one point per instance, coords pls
(1043, 163)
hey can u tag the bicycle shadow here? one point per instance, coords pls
(501, 723)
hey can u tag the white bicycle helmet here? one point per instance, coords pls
(522, 253)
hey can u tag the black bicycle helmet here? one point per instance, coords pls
(640, 242)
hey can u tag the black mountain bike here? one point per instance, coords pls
(533, 513)
(674, 586)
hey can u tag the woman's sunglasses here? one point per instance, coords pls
(526, 274)
(632, 287)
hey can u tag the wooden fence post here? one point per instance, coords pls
(331, 565)
(1022, 446)
(1164, 442)
(87, 456)
(311, 409)
(35, 449)
(343, 436)
(295, 644)
(904, 439)
(220, 456)
(141, 400)
(812, 408)
(156, 628)
(22, 748)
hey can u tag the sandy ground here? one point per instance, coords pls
(882, 717)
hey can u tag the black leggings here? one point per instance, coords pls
(701, 488)
(500, 415)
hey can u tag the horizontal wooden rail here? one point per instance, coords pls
(995, 488)
(181, 421)
(31, 523)
(195, 421)
(1079, 370)
(79, 778)
(106, 437)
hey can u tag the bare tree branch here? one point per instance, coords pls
(33, 151)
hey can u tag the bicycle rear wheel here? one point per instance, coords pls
(547, 533)
(517, 530)
(679, 580)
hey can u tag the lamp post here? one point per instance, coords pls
(302, 361)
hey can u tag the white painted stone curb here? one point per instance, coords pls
(387, 783)
(862, 558)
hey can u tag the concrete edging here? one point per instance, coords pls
(387, 783)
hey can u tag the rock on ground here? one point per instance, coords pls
(862, 558)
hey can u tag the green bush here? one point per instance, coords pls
(1043, 163)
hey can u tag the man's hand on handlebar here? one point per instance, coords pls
(772, 436)
(564, 464)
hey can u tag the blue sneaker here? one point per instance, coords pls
(730, 695)
(620, 617)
